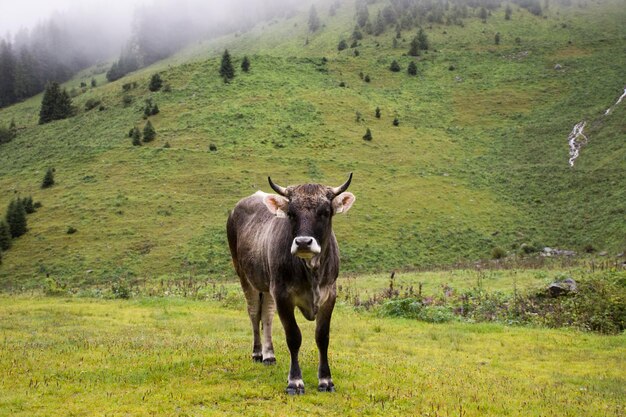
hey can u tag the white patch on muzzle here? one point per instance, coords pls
(307, 252)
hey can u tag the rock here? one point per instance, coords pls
(558, 67)
(603, 253)
(564, 287)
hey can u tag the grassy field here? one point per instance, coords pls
(478, 161)
(170, 356)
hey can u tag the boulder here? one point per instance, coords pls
(563, 287)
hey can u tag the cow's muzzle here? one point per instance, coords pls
(305, 247)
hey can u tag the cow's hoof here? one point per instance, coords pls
(269, 361)
(326, 386)
(257, 358)
(295, 387)
(295, 390)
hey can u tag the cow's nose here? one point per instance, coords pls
(304, 242)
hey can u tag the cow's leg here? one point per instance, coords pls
(285, 308)
(267, 315)
(254, 302)
(322, 337)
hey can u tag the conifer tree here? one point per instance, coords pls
(367, 135)
(16, 218)
(155, 83)
(5, 235)
(314, 20)
(379, 25)
(148, 132)
(422, 40)
(136, 136)
(226, 68)
(395, 67)
(245, 64)
(414, 49)
(496, 38)
(507, 12)
(155, 110)
(362, 14)
(48, 179)
(377, 114)
(56, 104)
(412, 69)
(27, 202)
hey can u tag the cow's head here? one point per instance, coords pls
(309, 208)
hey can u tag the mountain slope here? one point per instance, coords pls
(479, 158)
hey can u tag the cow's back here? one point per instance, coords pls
(251, 230)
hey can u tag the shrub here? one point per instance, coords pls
(48, 179)
(342, 45)
(367, 78)
(27, 202)
(213, 147)
(412, 68)
(498, 253)
(377, 113)
(408, 308)
(120, 290)
(395, 67)
(396, 122)
(368, 135)
(94, 82)
(227, 72)
(56, 104)
(92, 103)
(71, 230)
(127, 100)
(155, 83)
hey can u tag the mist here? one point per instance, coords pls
(42, 41)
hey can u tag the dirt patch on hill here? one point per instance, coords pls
(491, 106)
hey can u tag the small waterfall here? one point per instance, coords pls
(577, 138)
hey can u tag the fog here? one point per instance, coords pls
(50, 40)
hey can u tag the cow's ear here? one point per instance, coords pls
(276, 204)
(343, 202)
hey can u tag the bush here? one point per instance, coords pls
(368, 135)
(27, 202)
(408, 308)
(367, 78)
(155, 83)
(412, 68)
(396, 122)
(56, 104)
(92, 103)
(120, 290)
(71, 230)
(48, 179)
(136, 136)
(498, 253)
(395, 67)
(127, 100)
(245, 64)
(377, 113)
(342, 45)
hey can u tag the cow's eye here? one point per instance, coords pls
(291, 215)
(323, 212)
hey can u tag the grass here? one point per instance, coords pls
(163, 356)
(477, 162)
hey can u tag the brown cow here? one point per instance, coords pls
(286, 255)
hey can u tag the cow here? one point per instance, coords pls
(286, 256)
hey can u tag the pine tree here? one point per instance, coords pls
(56, 104)
(148, 132)
(395, 67)
(379, 25)
(5, 235)
(396, 122)
(136, 136)
(342, 45)
(48, 179)
(314, 20)
(16, 218)
(245, 64)
(507, 12)
(496, 38)
(227, 71)
(482, 14)
(27, 202)
(13, 129)
(422, 40)
(412, 69)
(356, 34)
(7, 74)
(362, 14)
(377, 114)
(155, 83)
(368, 134)
(414, 49)
(94, 82)
(155, 110)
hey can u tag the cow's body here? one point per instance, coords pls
(286, 256)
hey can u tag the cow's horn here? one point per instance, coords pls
(344, 187)
(280, 190)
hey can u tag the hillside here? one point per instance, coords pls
(478, 160)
